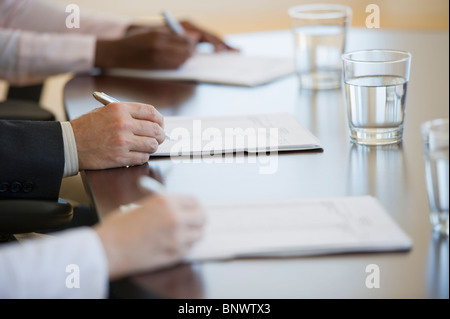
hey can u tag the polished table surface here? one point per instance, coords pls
(394, 174)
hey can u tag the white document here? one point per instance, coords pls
(297, 228)
(229, 134)
(222, 68)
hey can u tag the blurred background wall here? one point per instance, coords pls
(234, 16)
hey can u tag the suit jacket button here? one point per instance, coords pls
(4, 187)
(27, 187)
(16, 187)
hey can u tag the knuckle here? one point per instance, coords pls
(120, 141)
(117, 159)
(159, 133)
(151, 110)
(115, 107)
(162, 201)
(121, 124)
(152, 145)
(121, 160)
(153, 129)
(142, 159)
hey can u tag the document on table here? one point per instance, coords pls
(297, 228)
(235, 134)
(222, 68)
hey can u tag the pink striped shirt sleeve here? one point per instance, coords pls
(36, 43)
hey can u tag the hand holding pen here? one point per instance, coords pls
(157, 47)
(200, 35)
(148, 48)
(118, 134)
(105, 99)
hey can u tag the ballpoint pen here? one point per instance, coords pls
(173, 23)
(147, 184)
(106, 99)
(151, 184)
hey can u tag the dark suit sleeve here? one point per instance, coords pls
(31, 159)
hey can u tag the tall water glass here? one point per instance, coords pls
(435, 146)
(376, 85)
(319, 35)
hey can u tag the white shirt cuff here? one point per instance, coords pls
(69, 264)
(70, 150)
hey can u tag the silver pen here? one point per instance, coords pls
(152, 185)
(106, 99)
(146, 184)
(173, 23)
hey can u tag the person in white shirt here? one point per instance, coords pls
(156, 234)
(36, 43)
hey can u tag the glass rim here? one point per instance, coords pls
(301, 11)
(426, 126)
(406, 56)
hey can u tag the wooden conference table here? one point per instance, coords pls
(394, 174)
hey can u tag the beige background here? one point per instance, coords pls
(236, 16)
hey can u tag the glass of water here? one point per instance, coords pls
(435, 146)
(319, 33)
(376, 83)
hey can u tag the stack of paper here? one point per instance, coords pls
(221, 68)
(297, 228)
(233, 134)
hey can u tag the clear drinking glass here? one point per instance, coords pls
(319, 33)
(435, 146)
(376, 83)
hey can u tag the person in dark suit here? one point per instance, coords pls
(36, 42)
(34, 157)
(30, 166)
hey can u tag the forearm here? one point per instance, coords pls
(49, 17)
(28, 57)
(53, 267)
